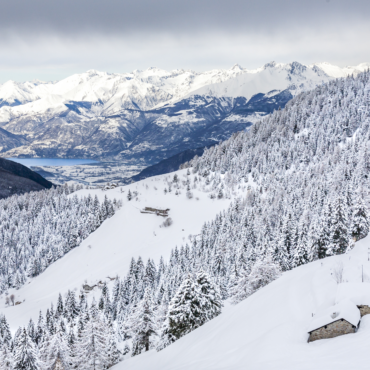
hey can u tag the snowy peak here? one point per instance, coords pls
(236, 68)
(146, 89)
(338, 72)
(270, 65)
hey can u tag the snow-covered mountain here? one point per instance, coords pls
(149, 114)
(288, 201)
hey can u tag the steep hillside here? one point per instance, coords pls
(130, 116)
(107, 252)
(18, 179)
(268, 330)
(167, 165)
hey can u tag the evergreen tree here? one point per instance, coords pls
(57, 350)
(339, 228)
(263, 272)
(6, 358)
(143, 325)
(210, 300)
(5, 334)
(25, 353)
(93, 345)
(360, 219)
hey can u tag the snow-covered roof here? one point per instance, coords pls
(345, 309)
(358, 293)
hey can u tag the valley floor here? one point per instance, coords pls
(89, 174)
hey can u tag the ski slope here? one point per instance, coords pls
(108, 251)
(269, 329)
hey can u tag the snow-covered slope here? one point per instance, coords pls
(108, 250)
(268, 330)
(99, 114)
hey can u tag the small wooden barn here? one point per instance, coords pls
(343, 318)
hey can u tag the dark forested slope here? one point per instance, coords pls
(18, 179)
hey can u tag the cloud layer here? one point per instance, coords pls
(52, 39)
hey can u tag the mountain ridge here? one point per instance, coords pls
(130, 116)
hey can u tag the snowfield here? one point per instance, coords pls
(268, 330)
(108, 251)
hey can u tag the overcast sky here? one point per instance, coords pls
(50, 40)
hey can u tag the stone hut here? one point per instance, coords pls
(343, 318)
(358, 293)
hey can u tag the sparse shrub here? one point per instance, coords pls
(189, 194)
(167, 222)
(338, 272)
(126, 350)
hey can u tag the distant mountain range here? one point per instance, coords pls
(146, 116)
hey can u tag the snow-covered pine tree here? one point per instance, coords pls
(210, 299)
(93, 344)
(143, 325)
(25, 353)
(360, 219)
(6, 358)
(5, 334)
(263, 272)
(57, 350)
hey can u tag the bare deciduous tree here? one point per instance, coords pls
(338, 272)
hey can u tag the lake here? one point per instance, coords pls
(29, 162)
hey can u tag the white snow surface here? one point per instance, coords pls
(108, 250)
(358, 293)
(345, 309)
(269, 330)
(111, 92)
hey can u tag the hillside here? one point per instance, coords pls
(109, 250)
(17, 179)
(168, 165)
(130, 116)
(269, 329)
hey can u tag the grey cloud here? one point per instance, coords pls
(50, 39)
(71, 17)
